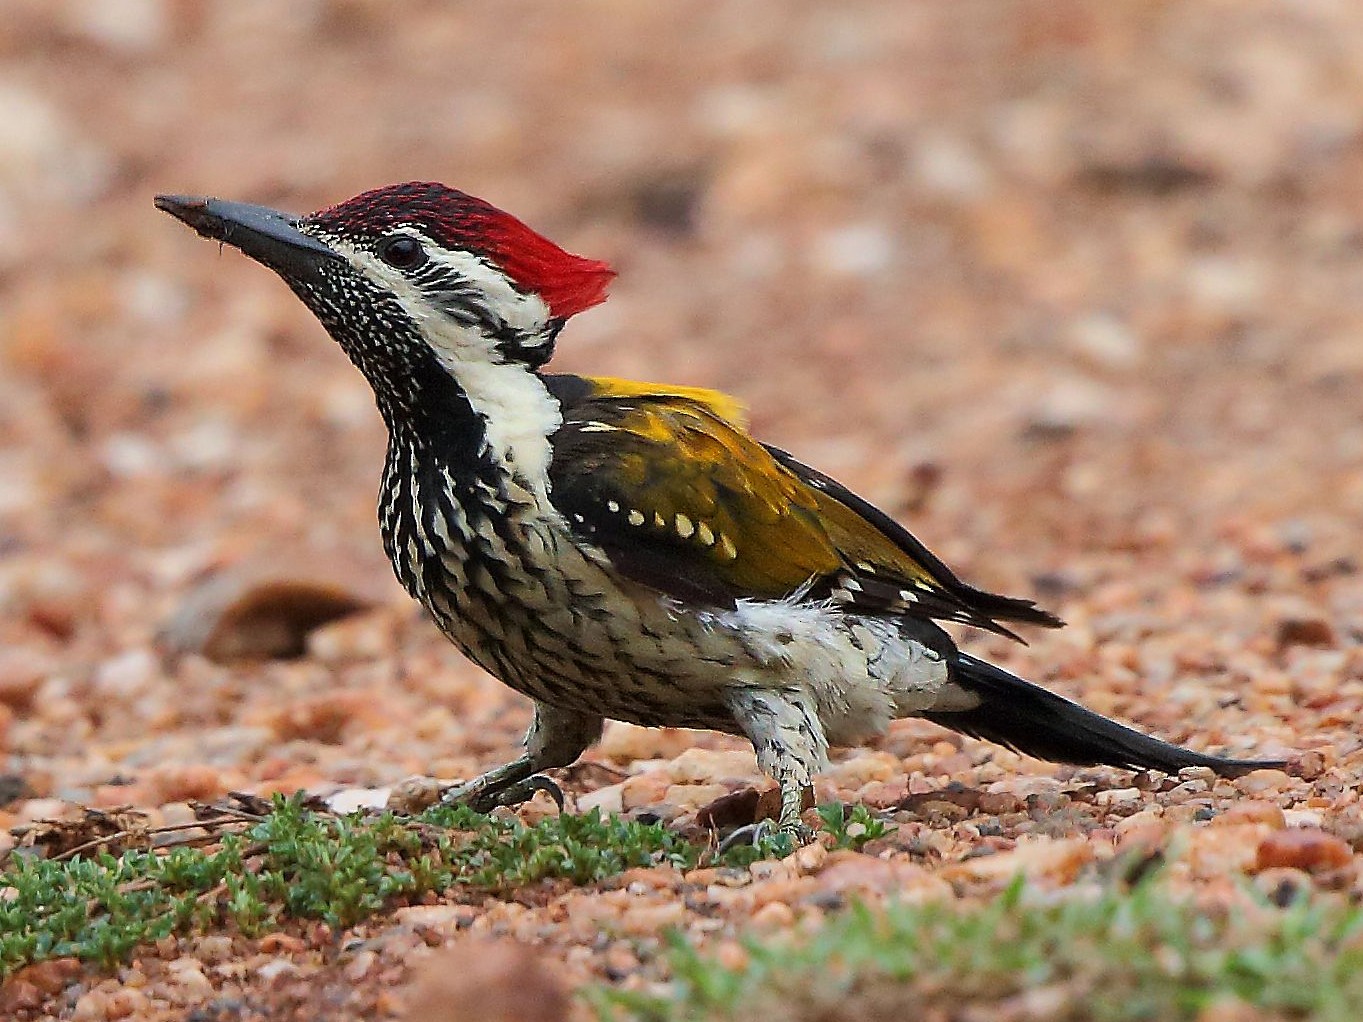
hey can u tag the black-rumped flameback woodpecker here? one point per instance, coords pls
(626, 550)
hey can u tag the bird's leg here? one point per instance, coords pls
(790, 744)
(556, 738)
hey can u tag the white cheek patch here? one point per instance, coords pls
(517, 409)
(524, 313)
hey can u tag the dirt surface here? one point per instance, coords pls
(1073, 289)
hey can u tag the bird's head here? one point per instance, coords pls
(411, 277)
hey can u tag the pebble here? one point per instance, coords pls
(44, 809)
(1308, 766)
(415, 794)
(1312, 630)
(1222, 850)
(1108, 341)
(1225, 284)
(1187, 790)
(126, 26)
(625, 743)
(44, 152)
(607, 799)
(243, 617)
(732, 955)
(690, 796)
(774, 915)
(27, 987)
(22, 672)
(812, 857)
(325, 718)
(1147, 834)
(1058, 861)
(620, 961)
(701, 766)
(1119, 797)
(100, 1004)
(188, 973)
(127, 1003)
(213, 949)
(999, 803)
(360, 966)
(861, 770)
(475, 980)
(644, 790)
(1310, 819)
(948, 166)
(851, 873)
(349, 800)
(350, 638)
(1252, 811)
(1068, 403)
(1258, 782)
(272, 970)
(1305, 848)
(854, 250)
(647, 919)
(189, 782)
(280, 943)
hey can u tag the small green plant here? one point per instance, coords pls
(767, 843)
(295, 863)
(852, 829)
(1126, 955)
(505, 854)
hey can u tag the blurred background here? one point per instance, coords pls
(1074, 289)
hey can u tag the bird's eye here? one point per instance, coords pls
(402, 252)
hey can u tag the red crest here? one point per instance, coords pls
(568, 283)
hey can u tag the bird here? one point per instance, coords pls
(629, 551)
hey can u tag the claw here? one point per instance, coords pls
(523, 791)
(460, 794)
(755, 834)
(484, 800)
(750, 834)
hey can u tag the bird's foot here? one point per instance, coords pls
(770, 837)
(483, 799)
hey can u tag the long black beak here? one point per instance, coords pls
(266, 235)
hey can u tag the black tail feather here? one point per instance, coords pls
(994, 608)
(1028, 719)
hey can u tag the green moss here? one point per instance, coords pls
(1125, 955)
(298, 864)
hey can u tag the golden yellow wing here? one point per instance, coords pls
(668, 485)
(685, 503)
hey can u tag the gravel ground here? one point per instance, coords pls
(1073, 289)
